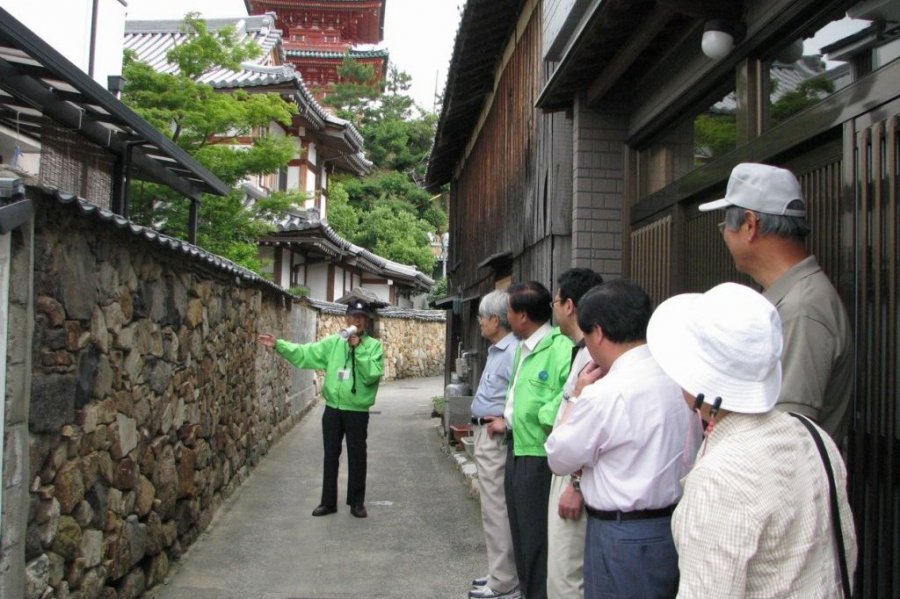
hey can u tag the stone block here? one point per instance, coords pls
(69, 486)
(67, 542)
(92, 548)
(126, 439)
(52, 402)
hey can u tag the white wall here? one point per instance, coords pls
(293, 178)
(317, 280)
(285, 268)
(68, 30)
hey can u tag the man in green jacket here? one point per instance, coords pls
(353, 370)
(541, 367)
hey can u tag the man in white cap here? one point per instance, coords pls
(755, 519)
(764, 229)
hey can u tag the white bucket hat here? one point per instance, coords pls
(723, 343)
(762, 188)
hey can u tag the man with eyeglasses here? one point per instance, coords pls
(490, 449)
(765, 229)
(566, 518)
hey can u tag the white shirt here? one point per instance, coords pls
(525, 348)
(628, 431)
(582, 359)
(755, 519)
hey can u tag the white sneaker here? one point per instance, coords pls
(477, 583)
(487, 592)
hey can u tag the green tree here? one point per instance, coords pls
(806, 94)
(714, 135)
(392, 231)
(205, 123)
(342, 217)
(386, 211)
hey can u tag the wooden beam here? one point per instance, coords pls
(626, 56)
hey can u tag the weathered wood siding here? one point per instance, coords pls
(513, 191)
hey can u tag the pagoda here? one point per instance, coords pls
(319, 33)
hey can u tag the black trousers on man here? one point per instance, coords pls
(336, 424)
(527, 486)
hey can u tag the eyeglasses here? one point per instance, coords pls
(554, 302)
(721, 226)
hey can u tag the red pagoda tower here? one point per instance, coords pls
(319, 33)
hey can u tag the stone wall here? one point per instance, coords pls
(137, 397)
(149, 401)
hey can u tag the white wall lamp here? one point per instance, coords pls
(719, 37)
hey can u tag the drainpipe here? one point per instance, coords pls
(93, 50)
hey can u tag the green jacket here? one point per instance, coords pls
(538, 392)
(333, 355)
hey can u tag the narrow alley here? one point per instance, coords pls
(422, 537)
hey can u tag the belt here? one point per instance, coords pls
(481, 421)
(635, 515)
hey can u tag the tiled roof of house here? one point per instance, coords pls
(354, 53)
(307, 227)
(152, 40)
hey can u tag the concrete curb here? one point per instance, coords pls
(463, 462)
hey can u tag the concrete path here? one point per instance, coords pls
(422, 537)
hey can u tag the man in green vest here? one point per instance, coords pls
(541, 367)
(353, 369)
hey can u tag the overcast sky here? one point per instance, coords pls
(418, 34)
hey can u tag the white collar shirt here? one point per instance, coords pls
(629, 433)
(582, 359)
(755, 519)
(526, 346)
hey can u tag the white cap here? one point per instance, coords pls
(762, 188)
(724, 343)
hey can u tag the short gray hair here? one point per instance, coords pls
(770, 224)
(495, 303)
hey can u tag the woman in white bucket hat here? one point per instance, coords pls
(755, 519)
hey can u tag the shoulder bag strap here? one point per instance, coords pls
(835, 510)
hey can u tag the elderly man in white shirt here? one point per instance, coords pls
(756, 518)
(629, 432)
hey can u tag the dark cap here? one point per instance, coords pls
(358, 306)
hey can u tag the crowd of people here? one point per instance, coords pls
(627, 452)
(686, 451)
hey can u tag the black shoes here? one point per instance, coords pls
(324, 510)
(358, 511)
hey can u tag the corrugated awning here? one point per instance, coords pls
(37, 82)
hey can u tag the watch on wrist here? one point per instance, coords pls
(576, 482)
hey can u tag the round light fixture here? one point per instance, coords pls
(717, 44)
(792, 52)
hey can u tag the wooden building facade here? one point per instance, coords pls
(601, 169)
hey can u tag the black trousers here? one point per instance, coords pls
(336, 424)
(527, 486)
